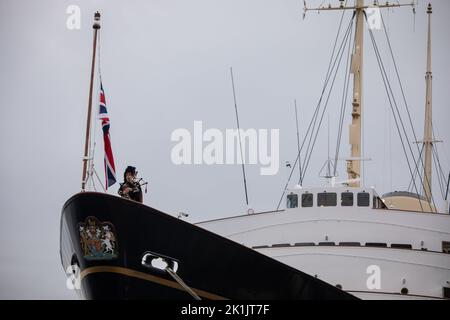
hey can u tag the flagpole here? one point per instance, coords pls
(96, 27)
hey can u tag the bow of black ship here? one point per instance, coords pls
(116, 244)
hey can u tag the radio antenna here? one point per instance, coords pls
(239, 136)
(300, 181)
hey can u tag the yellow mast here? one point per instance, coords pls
(96, 26)
(354, 162)
(428, 130)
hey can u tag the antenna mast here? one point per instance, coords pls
(96, 27)
(427, 138)
(300, 180)
(239, 134)
(354, 162)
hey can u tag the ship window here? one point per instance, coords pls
(326, 244)
(281, 245)
(292, 200)
(305, 244)
(376, 244)
(446, 292)
(363, 199)
(307, 200)
(350, 244)
(259, 247)
(347, 199)
(326, 199)
(401, 246)
(445, 247)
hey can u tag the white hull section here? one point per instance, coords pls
(345, 245)
(347, 266)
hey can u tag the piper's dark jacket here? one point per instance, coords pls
(135, 193)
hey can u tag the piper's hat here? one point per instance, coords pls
(130, 169)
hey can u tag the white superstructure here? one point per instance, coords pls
(347, 237)
(395, 247)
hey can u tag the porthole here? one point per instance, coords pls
(404, 291)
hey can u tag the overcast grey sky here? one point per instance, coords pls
(165, 64)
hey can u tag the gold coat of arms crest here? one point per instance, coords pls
(98, 239)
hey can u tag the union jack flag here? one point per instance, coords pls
(110, 169)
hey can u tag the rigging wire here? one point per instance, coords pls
(330, 68)
(316, 113)
(406, 107)
(392, 103)
(440, 172)
(99, 81)
(96, 112)
(415, 170)
(100, 181)
(93, 140)
(435, 149)
(388, 29)
(239, 134)
(300, 181)
(308, 155)
(96, 115)
(440, 182)
(445, 151)
(448, 185)
(343, 106)
(314, 117)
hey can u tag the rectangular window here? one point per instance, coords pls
(350, 244)
(347, 199)
(401, 246)
(292, 200)
(446, 292)
(326, 199)
(363, 199)
(307, 200)
(376, 244)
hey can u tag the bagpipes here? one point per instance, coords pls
(136, 186)
(141, 182)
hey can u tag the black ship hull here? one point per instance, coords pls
(109, 240)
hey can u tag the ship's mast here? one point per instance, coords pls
(428, 130)
(96, 27)
(354, 162)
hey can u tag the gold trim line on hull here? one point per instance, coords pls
(148, 277)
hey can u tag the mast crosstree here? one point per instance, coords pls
(354, 162)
